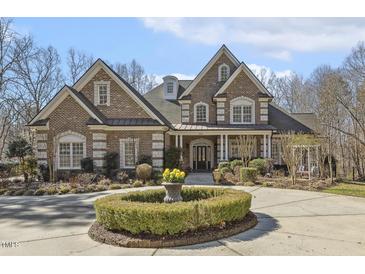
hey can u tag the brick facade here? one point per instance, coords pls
(121, 104)
(207, 87)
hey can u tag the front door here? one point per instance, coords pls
(201, 157)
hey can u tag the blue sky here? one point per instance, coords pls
(184, 45)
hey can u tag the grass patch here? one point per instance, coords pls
(347, 189)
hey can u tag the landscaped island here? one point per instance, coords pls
(142, 219)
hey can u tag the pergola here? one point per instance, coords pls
(309, 157)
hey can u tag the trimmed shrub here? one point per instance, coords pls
(224, 164)
(235, 163)
(225, 170)
(28, 192)
(144, 172)
(203, 207)
(248, 174)
(115, 186)
(110, 163)
(51, 190)
(87, 165)
(19, 192)
(44, 172)
(64, 190)
(105, 182)
(101, 187)
(260, 164)
(137, 184)
(172, 158)
(145, 159)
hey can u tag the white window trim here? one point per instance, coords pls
(207, 112)
(220, 74)
(70, 137)
(239, 101)
(122, 151)
(96, 92)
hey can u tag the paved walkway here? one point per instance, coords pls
(290, 223)
(199, 178)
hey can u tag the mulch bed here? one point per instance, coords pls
(125, 239)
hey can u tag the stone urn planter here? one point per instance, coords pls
(173, 192)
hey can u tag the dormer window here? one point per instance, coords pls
(170, 87)
(201, 111)
(223, 73)
(242, 111)
(102, 93)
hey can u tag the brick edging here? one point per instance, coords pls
(98, 233)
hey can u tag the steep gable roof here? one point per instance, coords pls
(244, 68)
(134, 94)
(57, 100)
(222, 50)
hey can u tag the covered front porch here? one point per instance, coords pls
(202, 151)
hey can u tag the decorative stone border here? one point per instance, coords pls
(98, 233)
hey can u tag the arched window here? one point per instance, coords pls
(201, 112)
(71, 149)
(223, 72)
(242, 111)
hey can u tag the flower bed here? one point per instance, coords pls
(145, 212)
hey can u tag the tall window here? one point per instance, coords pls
(223, 72)
(129, 152)
(71, 149)
(170, 87)
(201, 113)
(242, 111)
(102, 92)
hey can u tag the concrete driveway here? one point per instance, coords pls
(290, 223)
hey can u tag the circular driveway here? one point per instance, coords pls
(291, 222)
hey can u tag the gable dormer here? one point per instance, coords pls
(170, 87)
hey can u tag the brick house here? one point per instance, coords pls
(101, 112)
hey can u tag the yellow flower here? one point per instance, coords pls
(182, 174)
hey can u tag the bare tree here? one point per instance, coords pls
(290, 154)
(78, 62)
(11, 48)
(246, 145)
(40, 77)
(136, 76)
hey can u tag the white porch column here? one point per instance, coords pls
(226, 147)
(265, 155)
(221, 147)
(181, 147)
(176, 140)
(309, 164)
(269, 139)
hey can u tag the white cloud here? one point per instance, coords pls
(276, 37)
(256, 69)
(179, 76)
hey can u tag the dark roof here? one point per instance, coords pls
(88, 104)
(284, 121)
(42, 122)
(308, 119)
(126, 122)
(222, 127)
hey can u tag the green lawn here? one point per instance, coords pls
(347, 189)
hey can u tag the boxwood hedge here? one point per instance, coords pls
(144, 211)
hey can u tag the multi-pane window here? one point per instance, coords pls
(170, 87)
(70, 155)
(242, 111)
(129, 152)
(224, 73)
(201, 113)
(65, 155)
(103, 94)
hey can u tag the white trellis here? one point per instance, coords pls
(309, 159)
